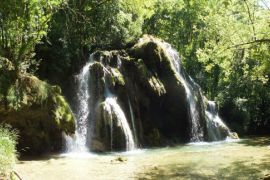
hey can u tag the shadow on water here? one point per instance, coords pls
(244, 170)
(250, 159)
(236, 170)
(256, 141)
(44, 157)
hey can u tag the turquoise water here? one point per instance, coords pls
(243, 159)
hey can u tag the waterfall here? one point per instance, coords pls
(100, 118)
(81, 141)
(216, 129)
(78, 142)
(214, 122)
(133, 121)
(196, 130)
(113, 108)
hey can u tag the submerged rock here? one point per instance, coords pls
(266, 177)
(119, 159)
(39, 112)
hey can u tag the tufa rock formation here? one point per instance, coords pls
(39, 112)
(148, 88)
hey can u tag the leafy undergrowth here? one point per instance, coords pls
(8, 155)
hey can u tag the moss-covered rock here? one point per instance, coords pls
(162, 97)
(145, 79)
(39, 112)
(151, 91)
(108, 135)
(106, 80)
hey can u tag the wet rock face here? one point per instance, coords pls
(145, 77)
(108, 135)
(150, 94)
(166, 114)
(216, 128)
(106, 80)
(40, 114)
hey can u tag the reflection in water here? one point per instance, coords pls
(245, 159)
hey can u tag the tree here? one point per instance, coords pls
(224, 46)
(180, 23)
(237, 44)
(22, 25)
(84, 26)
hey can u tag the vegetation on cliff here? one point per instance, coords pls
(39, 112)
(143, 86)
(35, 108)
(224, 45)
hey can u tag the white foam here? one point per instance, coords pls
(132, 152)
(203, 143)
(78, 155)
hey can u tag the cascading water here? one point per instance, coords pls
(196, 130)
(133, 121)
(102, 124)
(215, 125)
(113, 108)
(79, 141)
(216, 129)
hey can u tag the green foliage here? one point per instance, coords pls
(236, 53)
(89, 25)
(22, 25)
(27, 91)
(179, 22)
(8, 153)
(225, 47)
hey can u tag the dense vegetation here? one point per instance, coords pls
(224, 45)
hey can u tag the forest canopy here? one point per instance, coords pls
(224, 45)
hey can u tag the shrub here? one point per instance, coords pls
(8, 155)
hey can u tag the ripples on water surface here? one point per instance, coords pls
(243, 159)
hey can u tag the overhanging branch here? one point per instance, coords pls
(258, 41)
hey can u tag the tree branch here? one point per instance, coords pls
(101, 3)
(251, 20)
(17, 174)
(258, 41)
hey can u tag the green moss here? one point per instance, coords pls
(26, 91)
(63, 117)
(117, 77)
(11, 97)
(149, 79)
(142, 68)
(39, 112)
